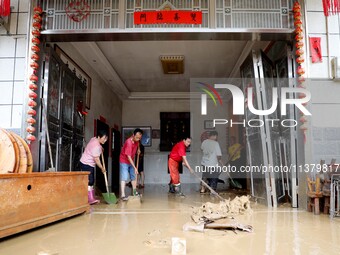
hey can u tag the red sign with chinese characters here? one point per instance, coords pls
(169, 17)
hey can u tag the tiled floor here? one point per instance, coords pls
(147, 228)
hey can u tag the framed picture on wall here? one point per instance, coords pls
(80, 73)
(146, 138)
(209, 124)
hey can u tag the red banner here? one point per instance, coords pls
(315, 49)
(5, 7)
(168, 17)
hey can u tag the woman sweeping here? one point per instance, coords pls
(91, 158)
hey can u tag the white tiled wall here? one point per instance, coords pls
(317, 27)
(325, 103)
(13, 46)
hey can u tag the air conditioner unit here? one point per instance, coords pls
(335, 63)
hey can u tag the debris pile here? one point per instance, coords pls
(220, 216)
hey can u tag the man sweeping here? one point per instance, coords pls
(127, 167)
(178, 156)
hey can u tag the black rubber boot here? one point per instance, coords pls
(178, 191)
(171, 188)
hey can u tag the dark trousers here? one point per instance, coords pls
(90, 169)
(212, 182)
(238, 176)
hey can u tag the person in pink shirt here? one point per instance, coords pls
(91, 158)
(127, 167)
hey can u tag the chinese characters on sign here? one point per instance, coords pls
(170, 17)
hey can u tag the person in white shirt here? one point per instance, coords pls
(211, 158)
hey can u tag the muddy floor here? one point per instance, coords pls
(148, 228)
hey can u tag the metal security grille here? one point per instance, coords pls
(103, 15)
(254, 13)
(335, 196)
(118, 14)
(152, 5)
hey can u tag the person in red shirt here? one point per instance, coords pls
(176, 157)
(127, 167)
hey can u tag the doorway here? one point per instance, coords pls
(270, 144)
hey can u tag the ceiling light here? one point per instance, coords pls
(172, 64)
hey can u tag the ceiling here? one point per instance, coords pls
(134, 68)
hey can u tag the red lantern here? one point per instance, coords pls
(296, 7)
(299, 44)
(32, 103)
(298, 23)
(33, 78)
(34, 65)
(300, 60)
(31, 112)
(301, 95)
(35, 48)
(31, 138)
(298, 30)
(297, 16)
(303, 119)
(302, 86)
(37, 18)
(299, 52)
(35, 57)
(303, 127)
(300, 70)
(37, 10)
(36, 33)
(299, 37)
(301, 79)
(35, 40)
(33, 86)
(37, 25)
(30, 129)
(31, 121)
(32, 95)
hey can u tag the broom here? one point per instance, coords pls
(110, 198)
(234, 183)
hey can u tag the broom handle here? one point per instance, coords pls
(47, 134)
(138, 153)
(205, 184)
(105, 177)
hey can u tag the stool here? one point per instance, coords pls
(327, 201)
(314, 202)
(314, 194)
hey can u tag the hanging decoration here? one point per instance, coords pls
(315, 49)
(5, 8)
(331, 7)
(78, 10)
(300, 59)
(33, 87)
